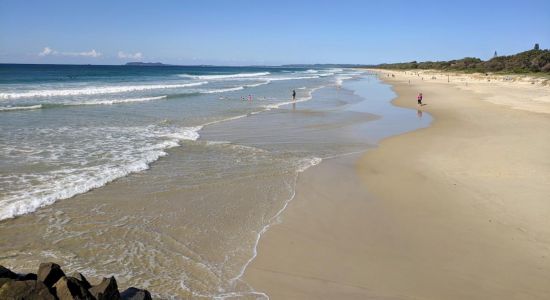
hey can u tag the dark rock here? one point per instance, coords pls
(28, 276)
(135, 294)
(106, 290)
(69, 288)
(82, 279)
(49, 273)
(7, 273)
(51, 284)
(25, 290)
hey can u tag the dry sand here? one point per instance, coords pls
(459, 210)
(515, 91)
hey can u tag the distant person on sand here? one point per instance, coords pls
(419, 98)
(294, 95)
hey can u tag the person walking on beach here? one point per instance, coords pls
(293, 95)
(419, 98)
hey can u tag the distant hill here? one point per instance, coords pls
(532, 61)
(323, 66)
(147, 64)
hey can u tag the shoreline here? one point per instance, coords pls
(344, 162)
(416, 193)
(145, 215)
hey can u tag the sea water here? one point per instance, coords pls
(68, 129)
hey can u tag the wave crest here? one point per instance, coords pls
(225, 76)
(97, 90)
(14, 108)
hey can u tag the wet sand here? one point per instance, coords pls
(458, 210)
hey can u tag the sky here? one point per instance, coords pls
(255, 32)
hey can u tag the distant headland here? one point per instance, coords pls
(148, 64)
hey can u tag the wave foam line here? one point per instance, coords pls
(13, 108)
(223, 90)
(238, 88)
(73, 185)
(224, 120)
(224, 76)
(311, 71)
(306, 164)
(258, 84)
(307, 98)
(292, 78)
(340, 79)
(118, 101)
(97, 90)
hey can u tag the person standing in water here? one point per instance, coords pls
(419, 98)
(293, 95)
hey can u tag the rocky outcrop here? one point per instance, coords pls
(7, 273)
(49, 273)
(135, 294)
(70, 288)
(106, 290)
(82, 279)
(50, 282)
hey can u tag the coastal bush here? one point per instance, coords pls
(531, 61)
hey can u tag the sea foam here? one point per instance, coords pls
(96, 90)
(118, 101)
(14, 108)
(73, 181)
(238, 88)
(225, 76)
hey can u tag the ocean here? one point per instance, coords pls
(167, 176)
(68, 129)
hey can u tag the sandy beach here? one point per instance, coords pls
(275, 150)
(458, 210)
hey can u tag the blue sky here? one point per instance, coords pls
(243, 32)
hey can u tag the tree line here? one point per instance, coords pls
(531, 61)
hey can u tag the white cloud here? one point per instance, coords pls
(49, 51)
(124, 55)
(91, 53)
